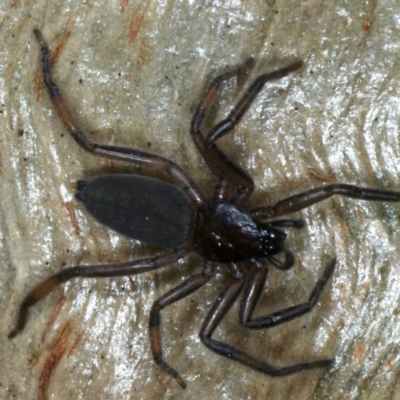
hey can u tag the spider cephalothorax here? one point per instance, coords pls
(227, 233)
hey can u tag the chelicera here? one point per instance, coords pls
(179, 216)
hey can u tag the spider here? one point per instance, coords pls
(180, 217)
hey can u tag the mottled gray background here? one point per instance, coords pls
(335, 121)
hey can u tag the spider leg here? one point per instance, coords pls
(179, 292)
(288, 223)
(220, 164)
(252, 292)
(221, 306)
(310, 197)
(216, 160)
(259, 214)
(91, 271)
(288, 263)
(146, 160)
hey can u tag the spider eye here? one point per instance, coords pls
(272, 240)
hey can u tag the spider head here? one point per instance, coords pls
(271, 240)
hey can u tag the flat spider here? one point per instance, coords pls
(180, 217)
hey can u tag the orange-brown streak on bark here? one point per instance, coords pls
(111, 166)
(75, 342)
(269, 395)
(14, 3)
(133, 284)
(321, 176)
(140, 60)
(55, 53)
(53, 315)
(137, 20)
(52, 360)
(124, 4)
(72, 216)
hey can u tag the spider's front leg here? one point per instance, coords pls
(308, 198)
(252, 292)
(219, 163)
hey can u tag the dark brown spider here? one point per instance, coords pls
(220, 230)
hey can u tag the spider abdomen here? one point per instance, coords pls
(227, 233)
(142, 208)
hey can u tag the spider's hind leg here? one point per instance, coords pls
(177, 293)
(147, 161)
